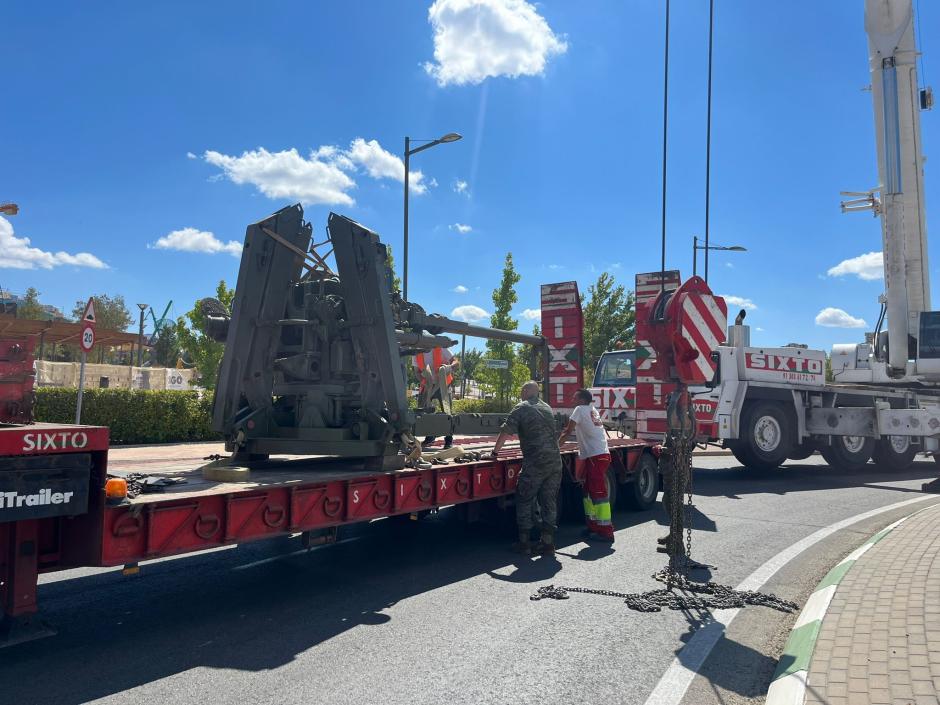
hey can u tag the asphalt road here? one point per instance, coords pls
(438, 611)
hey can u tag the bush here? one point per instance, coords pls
(481, 406)
(132, 415)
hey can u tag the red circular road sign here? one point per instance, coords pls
(88, 338)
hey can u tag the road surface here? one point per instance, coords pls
(439, 612)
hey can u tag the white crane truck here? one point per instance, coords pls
(883, 402)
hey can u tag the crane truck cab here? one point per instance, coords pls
(614, 390)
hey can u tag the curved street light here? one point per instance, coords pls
(449, 137)
(696, 247)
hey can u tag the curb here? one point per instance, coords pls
(788, 685)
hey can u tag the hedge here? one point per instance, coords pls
(481, 406)
(133, 415)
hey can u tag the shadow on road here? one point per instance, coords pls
(251, 608)
(805, 476)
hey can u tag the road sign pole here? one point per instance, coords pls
(81, 388)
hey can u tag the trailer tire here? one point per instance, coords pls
(767, 436)
(640, 493)
(850, 453)
(894, 453)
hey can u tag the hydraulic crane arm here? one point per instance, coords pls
(897, 102)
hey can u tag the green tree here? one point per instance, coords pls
(609, 318)
(31, 308)
(166, 347)
(203, 351)
(470, 363)
(531, 356)
(390, 263)
(504, 298)
(111, 312)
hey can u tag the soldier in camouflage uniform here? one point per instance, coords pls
(534, 422)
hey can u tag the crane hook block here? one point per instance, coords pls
(686, 326)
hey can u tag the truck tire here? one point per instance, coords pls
(766, 436)
(640, 494)
(739, 453)
(850, 453)
(894, 453)
(803, 450)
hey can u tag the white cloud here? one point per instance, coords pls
(318, 179)
(461, 186)
(837, 318)
(17, 253)
(560, 266)
(190, 155)
(739, 301)
(729, 265)
(476, 39)
(869, 267)
(461, 228)
(759, 329)
(469, 313)
(460, 289)
(381, 164)
(192, 240)
(324, 177)
(532, 314)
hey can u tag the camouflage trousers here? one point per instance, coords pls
(539, 482)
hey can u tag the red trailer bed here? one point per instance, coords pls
(285, 496)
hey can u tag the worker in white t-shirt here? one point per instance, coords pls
(593, 451)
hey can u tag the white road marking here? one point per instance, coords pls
(674, 683)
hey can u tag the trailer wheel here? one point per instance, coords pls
(767, 437)
(894, 453)
(849, 453)
(640, 494)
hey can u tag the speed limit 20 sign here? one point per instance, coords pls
(88, 338)
(88, 326)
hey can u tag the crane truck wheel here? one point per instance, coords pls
(849, 453)
(766, 436)
(803, 450)
(640, 494)
(739, 452)
(894, 453)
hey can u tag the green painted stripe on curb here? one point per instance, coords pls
(834, 576)
(799, 650)
(801, 644)
(881, 534)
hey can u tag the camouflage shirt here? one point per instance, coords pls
(534, 422)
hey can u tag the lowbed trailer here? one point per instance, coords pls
(41, 531)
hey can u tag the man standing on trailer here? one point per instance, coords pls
(594, 453)
(436, 382)
(534, 422)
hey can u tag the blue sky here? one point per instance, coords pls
(130, 129)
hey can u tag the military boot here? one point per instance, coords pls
(545, 547)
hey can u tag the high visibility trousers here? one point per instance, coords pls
(596, 497)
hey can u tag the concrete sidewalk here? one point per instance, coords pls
(870, 633)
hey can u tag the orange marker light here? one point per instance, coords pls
(115, 489)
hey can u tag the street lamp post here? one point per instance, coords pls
(449, 137)
(140, 334)
(696, 247)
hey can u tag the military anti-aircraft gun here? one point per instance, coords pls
(314, 360)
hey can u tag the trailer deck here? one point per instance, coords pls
(285, 495)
